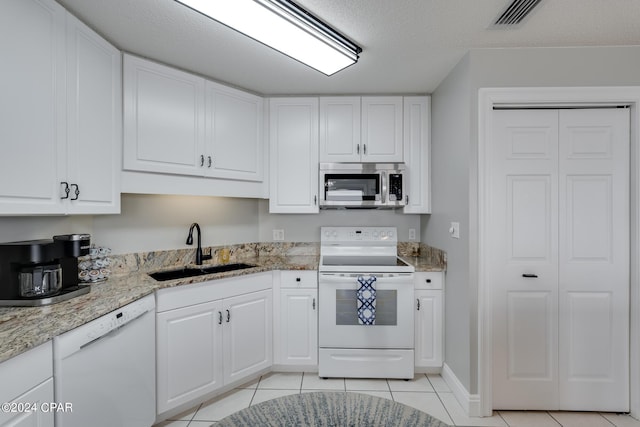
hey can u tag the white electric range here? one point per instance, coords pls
(366, 325)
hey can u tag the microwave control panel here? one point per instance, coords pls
(395, 187)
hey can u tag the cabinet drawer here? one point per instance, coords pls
(429, 280)
(299, 279)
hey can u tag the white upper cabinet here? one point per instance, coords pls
(361, 129)
(179, 123)
(233, 133)
(60, 127)
(417, 148)
(94, 120)
(382, 129)
(293, 130)
(340, 129)
(32, 130)
(163, 119)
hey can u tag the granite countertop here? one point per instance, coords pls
(22, 328)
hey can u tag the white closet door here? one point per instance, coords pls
(560, 259)
(524, 234)
(594, 260)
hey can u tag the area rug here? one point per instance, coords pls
(329, 409)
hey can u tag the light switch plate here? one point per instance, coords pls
(278, 235)
(454, 230)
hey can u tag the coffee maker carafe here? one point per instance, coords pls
(40, 272)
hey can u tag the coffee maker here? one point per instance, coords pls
(41, 272)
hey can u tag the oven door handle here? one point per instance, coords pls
(381, 278)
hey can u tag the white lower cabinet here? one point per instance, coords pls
(296, 338)
(429, 303)
(27, 384)
(210, 335)
(247, 335)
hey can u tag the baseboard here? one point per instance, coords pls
(469, 402)
(295, 368)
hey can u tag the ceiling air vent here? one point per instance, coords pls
(515, 13)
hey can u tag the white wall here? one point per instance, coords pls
(450, 199)
(155, 222)
(14, 229)
(306, 227)
(148, 222)
(531, 67)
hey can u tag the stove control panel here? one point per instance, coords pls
(356, 235)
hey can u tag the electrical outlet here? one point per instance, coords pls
(278, 235)
(412, 234)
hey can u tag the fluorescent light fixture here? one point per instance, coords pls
(286, 27)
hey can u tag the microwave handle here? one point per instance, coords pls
(385, 189)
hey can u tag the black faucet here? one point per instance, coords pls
(199, 255)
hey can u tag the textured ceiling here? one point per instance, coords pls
(409, 46)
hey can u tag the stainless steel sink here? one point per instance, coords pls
(184, 272)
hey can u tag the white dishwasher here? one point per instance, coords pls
(104, 371)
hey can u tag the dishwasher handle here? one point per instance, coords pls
(82, 336)
(111, 332)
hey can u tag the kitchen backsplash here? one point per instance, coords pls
(157, 260)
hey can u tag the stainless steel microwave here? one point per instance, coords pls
(362, 185)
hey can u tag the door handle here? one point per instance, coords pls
(76, 192)
(210, 161)
(66, 190)
(228, 316)
(201, 160)
(219, 318)
(530, 276)
(314, 304)
(418, 300)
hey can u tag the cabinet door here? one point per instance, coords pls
(382, 129)
(247, 334)
(36, 417)
(32, 126)
(417, 148)
(294, 155)
(94, 118)
(298, 327)
(428, 327)
(189, 353)
(340, 129)
(233, 133)
(163, 119)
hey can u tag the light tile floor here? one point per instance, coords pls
(428, 393)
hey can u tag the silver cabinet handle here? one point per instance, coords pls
(209, 157)
(314, 304)
(201, 160)
(315, 200)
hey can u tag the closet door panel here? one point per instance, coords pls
(594, 259)
(524, 274)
